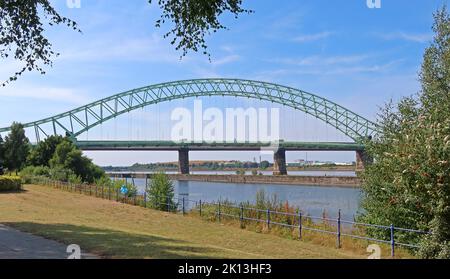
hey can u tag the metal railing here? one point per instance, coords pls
(295, 221)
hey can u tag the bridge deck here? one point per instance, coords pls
(218, 146)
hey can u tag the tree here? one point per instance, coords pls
(2, 155)
(408, 184)
(68, 156)
(22, 28)
(264, 165)
(161, 192)
(16, 147)
(22, 33)
(43, 152)
(194, 19)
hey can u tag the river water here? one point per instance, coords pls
(312, 200)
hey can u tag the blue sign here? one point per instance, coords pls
(124, 189)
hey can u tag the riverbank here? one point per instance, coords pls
(339, 181)
(325, 181)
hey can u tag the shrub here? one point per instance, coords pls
(10, 183)
(161, 192)
(74, 179)
(117, 185)
(60, 173)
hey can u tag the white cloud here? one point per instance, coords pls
(418, 37)
(318, 60)
(149, 49)
(312, 37)
(226, 60)
(59, 94)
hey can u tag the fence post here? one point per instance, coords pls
(219, 211)
(168, 204)
(392, 241)
(109, 192)
(200, 208)
(338, 240)
(117, 195)
(242, 216)
(103, 190)
(134, 199)
(268, 218)
(299, 225)
(145, 199)
(183, 207)
(96, 190)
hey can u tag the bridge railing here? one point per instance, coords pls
(220, 210)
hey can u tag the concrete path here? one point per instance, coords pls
(15, 244)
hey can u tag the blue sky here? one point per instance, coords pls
(341, 50)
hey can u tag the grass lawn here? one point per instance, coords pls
(115, 230)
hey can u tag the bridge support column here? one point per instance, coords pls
(183, 161)
(362, 160)
(279, 162)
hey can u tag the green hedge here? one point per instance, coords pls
(10, 183)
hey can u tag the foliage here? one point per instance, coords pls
(36, 171)
(74, 179)
(409, 183)
(2, 154)
(41, 154)
(161, 192)
(60, 173)
(68, 156)
(22, 33)
(10, 183)
(117, 185)
(16, 147)
(193, 20)
(264, 165)
(28, 173)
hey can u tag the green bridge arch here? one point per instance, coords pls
(84, 118)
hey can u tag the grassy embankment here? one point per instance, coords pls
(117, 230)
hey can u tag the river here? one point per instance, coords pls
(312, 200)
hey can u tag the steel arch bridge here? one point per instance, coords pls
(84, 118)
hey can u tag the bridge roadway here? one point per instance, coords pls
(279, 149)
(217, 146)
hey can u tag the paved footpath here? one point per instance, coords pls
(15, 244)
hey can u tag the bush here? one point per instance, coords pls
(10, 183)
(60, 173)
(117, 185)
(74, 179)
(161, 192)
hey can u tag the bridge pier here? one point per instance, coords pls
(279, 162)
(183, 161)
(362, 160)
